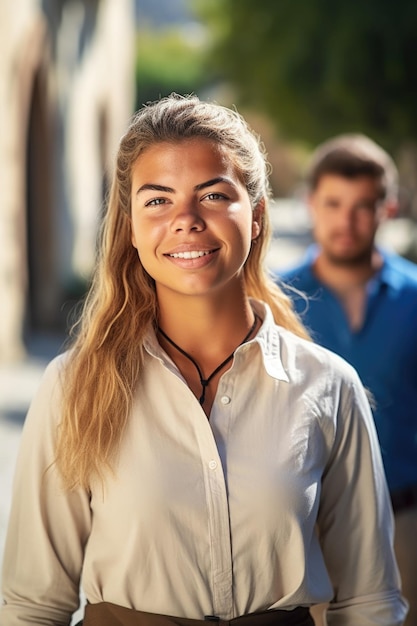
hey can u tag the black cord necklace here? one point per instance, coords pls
(205, 381)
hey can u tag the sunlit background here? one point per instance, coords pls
(73, 71)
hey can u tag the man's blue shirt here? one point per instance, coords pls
(383, 351)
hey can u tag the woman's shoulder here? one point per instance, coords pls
(57, 364)
(308, 354)
(53, 376)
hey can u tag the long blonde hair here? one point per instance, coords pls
(106, 357)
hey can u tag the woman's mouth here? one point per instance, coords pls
(191, 254)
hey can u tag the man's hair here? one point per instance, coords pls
(352, 156)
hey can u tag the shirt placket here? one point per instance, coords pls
(218, 527)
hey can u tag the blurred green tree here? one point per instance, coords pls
(320, 67)
(167, 60)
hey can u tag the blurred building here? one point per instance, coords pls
(66, 94)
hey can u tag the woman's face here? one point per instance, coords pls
(192, 221)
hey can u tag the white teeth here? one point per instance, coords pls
(188, 255)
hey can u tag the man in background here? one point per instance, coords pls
(361, 302)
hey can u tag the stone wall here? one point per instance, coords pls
(66, 94)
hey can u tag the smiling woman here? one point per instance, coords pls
(193, 226)
(193, 453)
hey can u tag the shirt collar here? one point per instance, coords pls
(392, 270)
(267, 338)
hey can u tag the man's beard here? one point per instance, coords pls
(358, 259)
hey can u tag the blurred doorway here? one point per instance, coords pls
(41, 229)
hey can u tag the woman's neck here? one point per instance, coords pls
(201, 339)
(206, 325)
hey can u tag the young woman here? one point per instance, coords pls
(194, 456)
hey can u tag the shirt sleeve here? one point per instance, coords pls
(48, 527)
(355, 522)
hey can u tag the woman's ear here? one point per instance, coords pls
(257, 219)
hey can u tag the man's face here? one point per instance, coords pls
(346, 213)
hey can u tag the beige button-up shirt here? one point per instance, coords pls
(278, 500)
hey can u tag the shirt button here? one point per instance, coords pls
(225, 400)
(213, 464)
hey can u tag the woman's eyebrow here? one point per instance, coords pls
(214, 181)
(155, 187)
(207, 183)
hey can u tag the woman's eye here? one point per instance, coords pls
(155, 202)
(214, 196)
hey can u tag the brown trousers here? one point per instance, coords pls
(107, 614)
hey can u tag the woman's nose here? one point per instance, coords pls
(187, 218)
